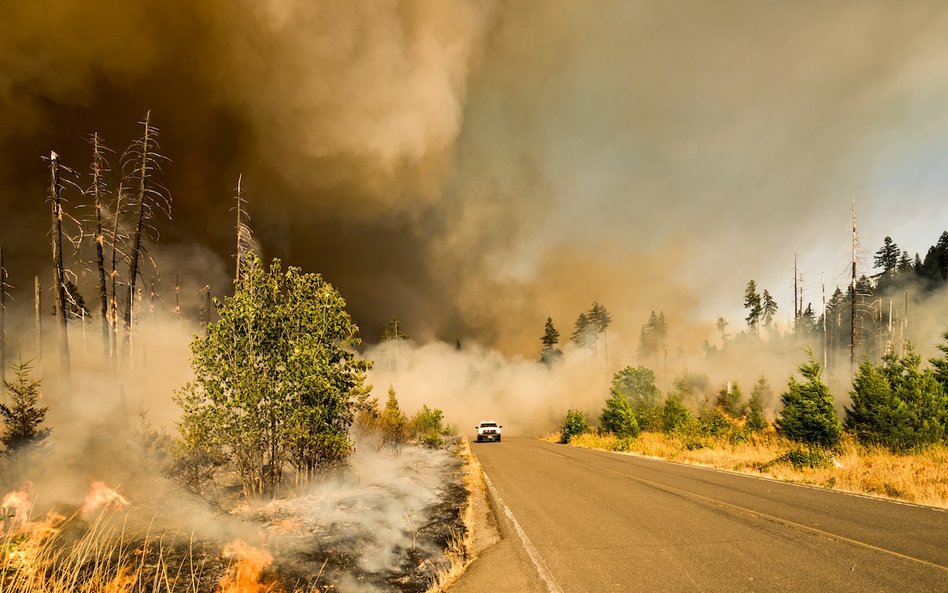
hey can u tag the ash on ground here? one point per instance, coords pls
(380, 525)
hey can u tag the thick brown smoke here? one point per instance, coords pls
(475, 166)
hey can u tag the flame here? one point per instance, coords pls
(24, 557)
(243, 576)
(123, 580)
(16, 506)
(102, 496)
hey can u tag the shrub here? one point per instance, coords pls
(800, 457)
(575, 423)
(428, 427)
(808, 415)
(618, 418)
(714, 423)
(675, 415)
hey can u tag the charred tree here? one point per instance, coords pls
(113, 273)
(38, 322)
(141, 162)
(3, 321)
(99, 192)
(246, 244)
(59, 284)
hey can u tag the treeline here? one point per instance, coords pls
(897, 403)
(869, 318)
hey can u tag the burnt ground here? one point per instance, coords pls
(380, 526)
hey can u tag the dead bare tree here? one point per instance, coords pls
(99, 191)
(3, 326)
(113, 270)
(246, 243)
(37, 309)
(59, 283)
(141, 162)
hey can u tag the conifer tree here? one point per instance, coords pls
(808, 413)
(551, 337)
(752, 302)
(755, 412)
(23, 417)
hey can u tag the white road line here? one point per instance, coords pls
(551, 585)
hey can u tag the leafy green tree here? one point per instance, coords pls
(428, 427)
(393, 422)
(23, 417)
(691, 387)
(675, 415)
(574, 424)
(731, 400)
(551, 337)
(618, 417)
(755, 413)
(752, 302)
(808, 415)
(637, 385)
(275, 378)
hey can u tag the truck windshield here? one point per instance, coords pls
(488, 424)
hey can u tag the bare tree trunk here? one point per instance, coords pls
(113, 274)
(135, 255)
(852, 300)
(206, 309)
(59, 286)
(177, 295)
(38, 322)
(97, 184)
(3, 326)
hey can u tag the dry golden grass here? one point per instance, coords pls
(35, 558)
(920, 477)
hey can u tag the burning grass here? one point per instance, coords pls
(382, 525)
(919, 477)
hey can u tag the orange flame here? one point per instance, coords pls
(16, 506)
(243, 576)
(23, 557)
(122, 582)
(102, 496)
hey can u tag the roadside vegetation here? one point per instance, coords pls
(892, 438)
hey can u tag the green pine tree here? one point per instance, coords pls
(551, 337)
(808, 413)
(23, 417)
(755, 412)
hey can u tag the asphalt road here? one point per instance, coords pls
(576, 520)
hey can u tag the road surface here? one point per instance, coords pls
(576, 520)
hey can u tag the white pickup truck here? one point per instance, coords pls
(488, 430)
